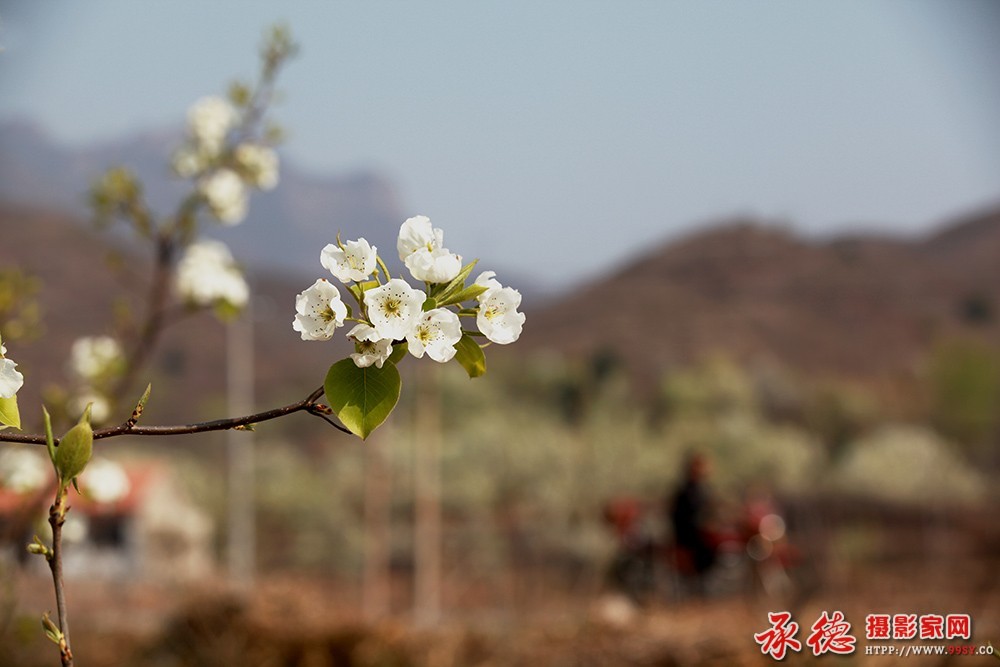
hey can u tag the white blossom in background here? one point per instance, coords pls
(105, 481)
(498, 318)
(100, 408)
(207, 273)
(436, 332)
(354, 262)
(370, 349)
(319, 310)
(260, 164)
(226, 195)
(92, 357)
(421, 248)
(11, 380)
(188, 161)
(23, 471)
(393, 308)
(209, 120)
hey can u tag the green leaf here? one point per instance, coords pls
(398, 352)
(9, 414)
(470, 355)
(362, 398)
(458, 282)
(429, 304)
(467, 294)
(49, 439)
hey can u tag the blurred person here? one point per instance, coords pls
(690, 510)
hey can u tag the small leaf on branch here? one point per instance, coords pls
(51, 630)
(362, 398)
(470, 356)
(9, 414)
(139, 407)
(457, 283)
(467, 294)
(49, 440)
(244, 427)
(398, 352)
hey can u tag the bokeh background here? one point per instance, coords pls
(767, 232)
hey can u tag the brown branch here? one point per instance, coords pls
(308, 404)
(153, 325)
(57, 517)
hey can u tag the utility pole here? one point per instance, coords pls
(376, 585)
(427, 489)
(242, 543)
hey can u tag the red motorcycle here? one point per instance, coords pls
(753, 555)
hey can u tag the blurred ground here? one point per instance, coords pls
(303, 621)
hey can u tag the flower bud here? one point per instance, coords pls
(75, 449)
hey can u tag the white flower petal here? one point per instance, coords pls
(434, 266)
(488, 279)
(11, 380)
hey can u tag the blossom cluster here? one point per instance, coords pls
(224, 172)
(392, 312)
(207, 274)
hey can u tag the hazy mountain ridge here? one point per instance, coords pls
(852, 306)
(285, 228)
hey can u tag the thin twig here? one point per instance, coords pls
(57, 517)
(307, 404)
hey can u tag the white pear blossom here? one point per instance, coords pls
(210, 119)
(421, 248)
(11, 380)
(434, 266)
(22, 470)
(226, 195)
(93, 357)
(498, 318)
(393, 308)
(319, 310)
(370, 348)
(354, 262)
(260, 164)
(207, 274)
(105, 481)
(436, 333)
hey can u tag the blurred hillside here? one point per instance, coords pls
(858, 307)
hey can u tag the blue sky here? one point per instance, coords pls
(565, 136)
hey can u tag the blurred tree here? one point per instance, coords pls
(964, 389)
